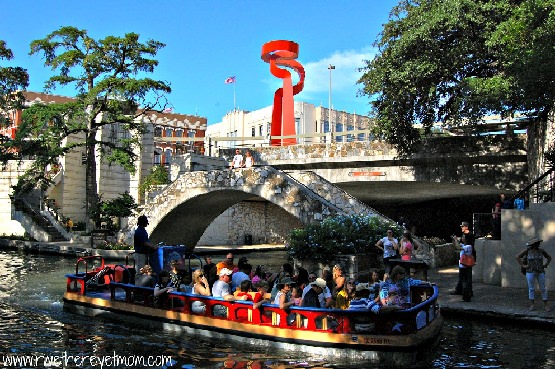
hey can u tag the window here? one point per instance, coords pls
(179, 133)
(351, 137)
(253, 131)
(339, 129)
(260, 130)
(168, 158)
(158, 132)
(169, 132)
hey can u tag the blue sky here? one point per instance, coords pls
(208, 41)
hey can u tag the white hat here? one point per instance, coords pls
(225, 271)
(319, 282)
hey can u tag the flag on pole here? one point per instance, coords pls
(230, 80)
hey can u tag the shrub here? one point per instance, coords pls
(114, 246)
(342, 234)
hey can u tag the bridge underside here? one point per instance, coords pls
(188, 221)
(399, 192)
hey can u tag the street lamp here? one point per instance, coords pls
(330, 67)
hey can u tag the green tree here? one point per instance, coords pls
(109, 77)
(456, 61)
(12, 81)
(158, 176)
(119, 207)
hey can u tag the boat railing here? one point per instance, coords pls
(85, 260)
(421, 313)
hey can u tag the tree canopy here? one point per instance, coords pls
(12, 81)
(457, 61)
(109, 76)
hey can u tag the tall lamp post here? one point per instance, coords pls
(330, 67)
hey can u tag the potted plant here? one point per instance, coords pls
(338, 237)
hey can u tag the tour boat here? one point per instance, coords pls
(395, 338)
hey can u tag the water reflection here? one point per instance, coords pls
(34, 323)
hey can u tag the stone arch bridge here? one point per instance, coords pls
(181, 212)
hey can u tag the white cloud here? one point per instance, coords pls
(343, 78)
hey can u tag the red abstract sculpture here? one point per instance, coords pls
(283, 53)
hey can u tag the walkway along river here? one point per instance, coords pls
(34, 325)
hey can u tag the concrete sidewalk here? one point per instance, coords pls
(491, 302)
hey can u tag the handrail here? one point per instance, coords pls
(535, 182)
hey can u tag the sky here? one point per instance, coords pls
(209, 41)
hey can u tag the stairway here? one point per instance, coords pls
(39, 220)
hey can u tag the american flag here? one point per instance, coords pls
(167, 110)
(230, 80)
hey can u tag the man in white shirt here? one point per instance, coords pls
(237, 161)
(325, 297)
(222, 289)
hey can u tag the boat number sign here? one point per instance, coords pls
(371, 340)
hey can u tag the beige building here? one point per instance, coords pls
(240, 128)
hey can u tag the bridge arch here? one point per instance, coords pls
(181, 212)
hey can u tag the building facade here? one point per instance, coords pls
(240, 128)
(68, 194)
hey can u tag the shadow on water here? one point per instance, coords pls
(33, 323)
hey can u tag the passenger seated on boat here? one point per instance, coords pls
(362, 299)
(146, 277)
(324, 297)
(176, 276)
(162, 288)
(296, 295)
(244, 293)
(310, 298)
(302, 278)
(282, 297)
(243, 274)
(222, 289)
(395, 292)
(346, 294)
(286, 271)
(227, 263)
(260, 298)
(200, 287)
(338, 280)
(375, 284)
(97, 280)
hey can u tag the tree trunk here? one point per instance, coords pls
(91, 202)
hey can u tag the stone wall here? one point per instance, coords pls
(8, 178)
(265, 222)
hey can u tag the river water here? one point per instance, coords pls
(34, 326)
